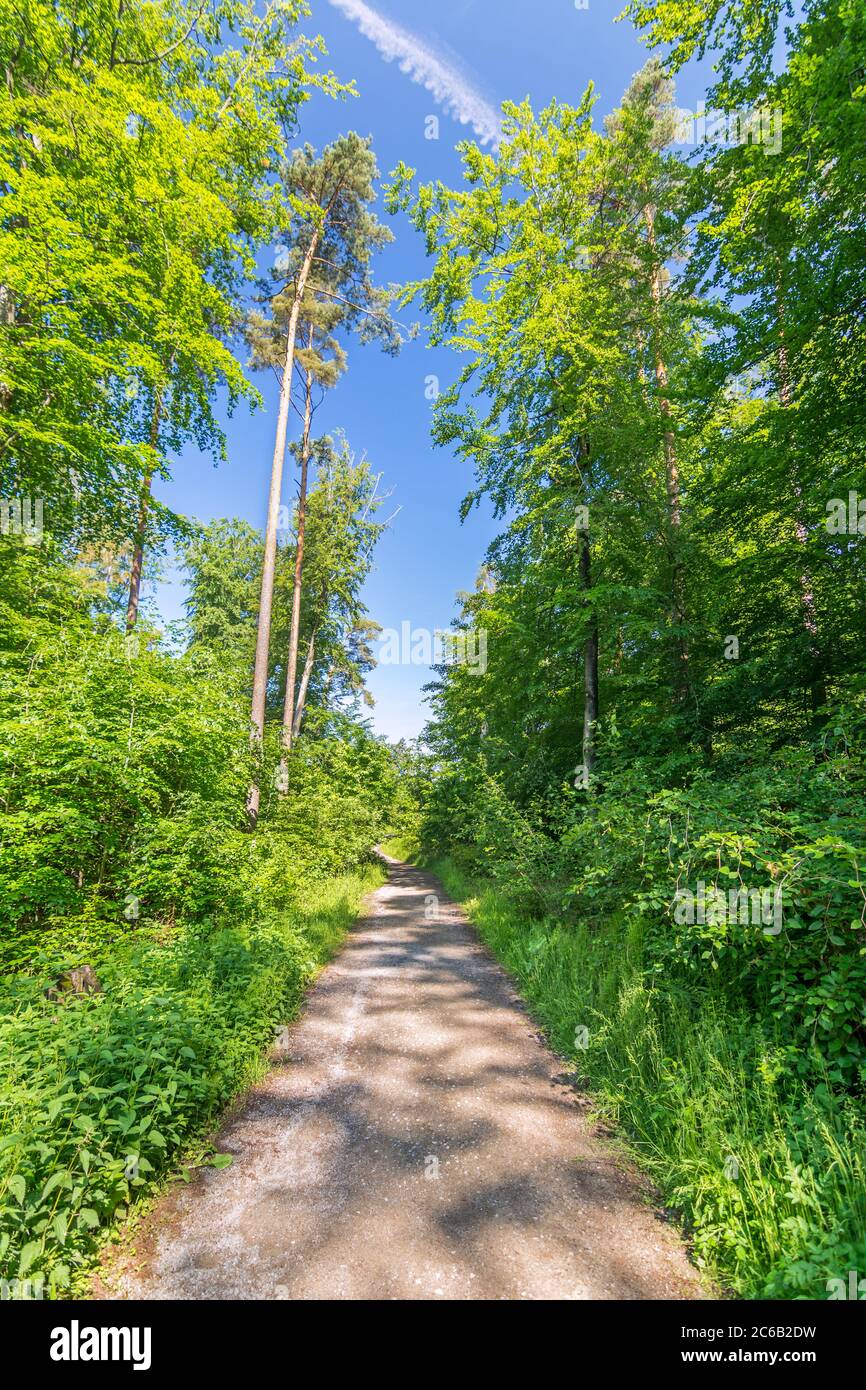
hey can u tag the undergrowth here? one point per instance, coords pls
(101, 1095)
(766, 1173)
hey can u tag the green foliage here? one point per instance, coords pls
(128, 785)
(145, 165)
(767, 1175)
(790, 828)
(124, 801)
(125, 846)
(330, 193)
(100, 1096)
(660, 775)
(138, 156)
(223, 563)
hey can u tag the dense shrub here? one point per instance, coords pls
(792, 827)
(99, 1095)
(733, 1053)
(124, 767)
(766, 1173)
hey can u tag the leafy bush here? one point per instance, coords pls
(791, 827)
(125, 846)
(731, 1051)
(767, 1174)
(99, 1095)
(122, 803)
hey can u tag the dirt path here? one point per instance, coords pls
(412, 1140)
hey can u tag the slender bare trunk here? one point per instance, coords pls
(783, 368)
(7, 319)
(141, 524)
(305, 681)
(260, 672)
(292, 665)
(590, 666)
(641, 371)
(672, 474)
(590, 648)
(808, 606)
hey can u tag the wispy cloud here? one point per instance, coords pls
(449, 87)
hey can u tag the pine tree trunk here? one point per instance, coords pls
(292, 666)
(260, 672)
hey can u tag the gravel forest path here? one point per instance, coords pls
(413, 1139)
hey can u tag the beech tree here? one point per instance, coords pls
(138, 152)
(549, 273)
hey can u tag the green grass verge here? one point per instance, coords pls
(769, 1179)
(101, 1097)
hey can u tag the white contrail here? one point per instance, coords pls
(450, 89)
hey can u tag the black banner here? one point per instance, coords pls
(84, 1339)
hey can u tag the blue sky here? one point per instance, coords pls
(476, 53)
